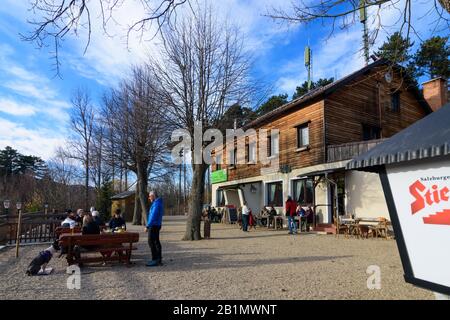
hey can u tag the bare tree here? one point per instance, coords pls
(82, 120)
(204, 69)
(64, 172)
(55, 19)
(343, 14)
(140, 135)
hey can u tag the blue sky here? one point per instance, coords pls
(34, 104)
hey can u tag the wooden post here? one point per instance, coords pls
(19, 222)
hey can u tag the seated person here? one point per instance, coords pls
(90, 226)
(272, 214)
(309, 214)
(117, 221)
(300, 211)
(79, 217)
(70, 221)
(97, 219)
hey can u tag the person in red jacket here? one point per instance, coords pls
(291, 207)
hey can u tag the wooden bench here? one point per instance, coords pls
(106, 244)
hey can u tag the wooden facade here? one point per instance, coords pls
(352, 109)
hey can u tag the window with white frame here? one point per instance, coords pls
(273, 144)
(303, 191)
(219, 161)
(251, 152)
(275, 194)
(303, 136)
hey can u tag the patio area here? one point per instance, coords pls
(260, 264)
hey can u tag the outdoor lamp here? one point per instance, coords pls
(46, 205)
(19, 205)
(6, 204)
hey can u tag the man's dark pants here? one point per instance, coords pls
(153, 242)
(245, 222)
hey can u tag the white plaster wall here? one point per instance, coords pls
(322, 198)
(254, 199)
(364, 195)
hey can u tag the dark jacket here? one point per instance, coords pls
(99, 221)
(309, 215)
(116, 223)
(90, 228)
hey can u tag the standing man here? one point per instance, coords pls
(291, 207)
(153, 227)
(245, 215)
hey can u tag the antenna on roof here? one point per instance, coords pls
(363, 19)
(308, 64)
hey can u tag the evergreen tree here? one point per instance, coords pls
(396, 49)
(303, 89)
(271, 104)
(432, 58)
(14, 163)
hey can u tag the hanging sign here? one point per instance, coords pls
(418, 197)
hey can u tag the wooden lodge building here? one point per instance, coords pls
(319, 133)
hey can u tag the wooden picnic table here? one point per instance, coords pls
(120, 243)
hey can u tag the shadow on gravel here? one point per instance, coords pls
(177, 259)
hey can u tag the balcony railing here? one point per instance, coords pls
(347, 151)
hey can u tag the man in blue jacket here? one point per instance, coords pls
(153, 227)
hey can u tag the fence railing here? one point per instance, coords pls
(350, 150)
(34, 228)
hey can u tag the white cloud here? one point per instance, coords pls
(31, 90)
(40, 142)
(336, 57)
(30, 93)
(16, 109)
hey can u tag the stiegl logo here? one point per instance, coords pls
(426, 197)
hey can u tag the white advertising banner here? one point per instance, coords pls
(421, 194)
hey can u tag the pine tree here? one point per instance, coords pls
(303, 89)
(432, 58)
(271, 104)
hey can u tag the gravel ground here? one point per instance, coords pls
(260, 264)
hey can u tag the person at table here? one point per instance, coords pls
(97, 218)
(89, 225)
(291, 207)
(309, 214)
(69, 222)
(117, 221)
(153, 228)
(272, 214)
(301, 214)
(79, 216)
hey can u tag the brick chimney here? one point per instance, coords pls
(435, 92)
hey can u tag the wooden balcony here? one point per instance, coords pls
(347, 151)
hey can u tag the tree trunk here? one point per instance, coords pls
(86, 184)
(142, 190)
(196, 202)
(137, 208)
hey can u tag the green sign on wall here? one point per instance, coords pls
(219, 176)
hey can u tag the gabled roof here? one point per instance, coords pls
(123, 195)
(427, 138)
(324, 91)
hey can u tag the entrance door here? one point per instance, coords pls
(340, 184)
